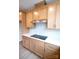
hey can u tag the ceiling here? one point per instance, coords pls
(25, 4)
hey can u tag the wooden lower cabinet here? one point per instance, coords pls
(32, 45)
(26, 42)
(42, 49)
(51, 51)
(39, 48)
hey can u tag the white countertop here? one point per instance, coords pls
(48, 40)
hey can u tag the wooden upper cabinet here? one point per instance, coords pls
(40, 13)
(51, 16)
(29, 19)
(35, 14)
(58, 16)
(20, 16)
(54, 16)
(43, 13)
(22, 19)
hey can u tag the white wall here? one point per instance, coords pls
(41, 29)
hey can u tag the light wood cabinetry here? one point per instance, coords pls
(32, 45)
(22, 19)
(51, 16)
(39, 48)
(35, 46)
(26, 42)
(54, 15)
(40, 13)
(20, 16)
(29, 19)
(50, 13)
(35, 14)
(43, 13)
(51, 51)
(58, 16)
(42, 49)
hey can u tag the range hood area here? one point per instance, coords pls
(39, 21)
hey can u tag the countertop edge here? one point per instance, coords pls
(57, 44)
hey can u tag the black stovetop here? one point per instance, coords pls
(39, 36)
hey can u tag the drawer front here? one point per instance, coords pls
(40, 43)
(51, 46)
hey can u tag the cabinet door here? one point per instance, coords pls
(51, 51)
(32, 45)
(51, 16)
(22, 17)
(35, 14)
(39, 48)
(43, 14)
(29, 19)
(58, 16)
(26, 42)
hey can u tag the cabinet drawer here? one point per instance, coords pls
(51, 46)
(39, 48)
(40, 43)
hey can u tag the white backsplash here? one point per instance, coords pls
(41, 29)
